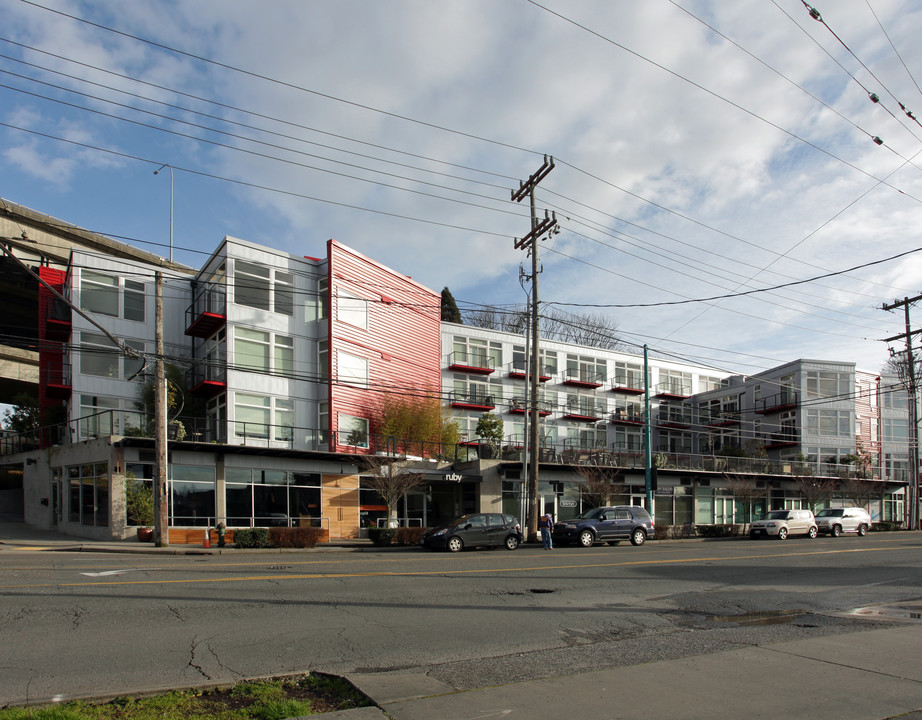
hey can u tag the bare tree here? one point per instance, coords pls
(594, 330)
(599, 484)
(860, 491)
(391, 478)
(746, 491)
(815, 489)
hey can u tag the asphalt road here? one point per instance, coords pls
(83, 624)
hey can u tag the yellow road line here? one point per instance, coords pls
(418, 573)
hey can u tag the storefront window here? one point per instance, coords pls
(264, 498)
(192, 491)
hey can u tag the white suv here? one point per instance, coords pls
(836, 521)
(781, 523)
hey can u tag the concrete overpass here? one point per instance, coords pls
(48, 241)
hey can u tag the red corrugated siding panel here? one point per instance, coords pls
(402, 341)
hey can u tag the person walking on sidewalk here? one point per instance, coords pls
(546, 526)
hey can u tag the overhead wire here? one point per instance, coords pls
(155, 43)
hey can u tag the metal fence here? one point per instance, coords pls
(192, 430)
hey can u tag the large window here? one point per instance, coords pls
(263, 417)
(894, 399)
(706, 383)
(258, 287)
(253, 415)
(828, 384)
(547, 362)
(192, 490)
(828, 422)
(101, 293)
(88, 494)
(586, 404)
(353, 369)
(263, 352)
(674, 441)
(476, 352)
(476, 390)
(272, 497)
(628, 439)
(586, 369)
(251, 285)
(102, 416)
(101, 357)
(353, 430)
(352, 310)
(629, 375)
(674, 382)
(895, 430)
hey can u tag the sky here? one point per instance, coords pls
(705, 153)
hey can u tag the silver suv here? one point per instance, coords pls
(836, 521)
(781, 523)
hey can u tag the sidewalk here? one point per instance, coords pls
(19, 535)
(821, 679)
(872, 675)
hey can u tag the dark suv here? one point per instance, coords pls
(479, 529)
(606, 524)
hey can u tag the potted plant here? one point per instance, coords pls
(139, 506)
(490, 430)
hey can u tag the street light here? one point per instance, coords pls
(157, 172)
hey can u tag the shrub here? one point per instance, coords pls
(139, 501)
(409, 535)
(382, 536)
(251, 538)
(885, 526)
(663, 532)
(295, 537)
(716, 531)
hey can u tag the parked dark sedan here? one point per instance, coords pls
(606, 524)
(477, 530)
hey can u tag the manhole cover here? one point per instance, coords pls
(888, 612)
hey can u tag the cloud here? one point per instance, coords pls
(687, 166)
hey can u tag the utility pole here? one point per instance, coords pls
(161, 516)
(530, 241)
(647, 434)
(913, 407)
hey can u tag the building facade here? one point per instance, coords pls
(279, 365)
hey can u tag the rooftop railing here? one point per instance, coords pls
(577, 451)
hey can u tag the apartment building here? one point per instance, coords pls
(280, 362)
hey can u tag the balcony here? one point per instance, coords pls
(58, 321)
(627, 416)
(473, 400)
(785, 400)
(207, 380)
(674, 417)
(774, 441)
(724, 418)
(673, 390)
(57, 380)
(517, 406)
(208, 312)
(517, 371)
(585, 410)
(578, 378)
(474, 363)
(630, 384)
